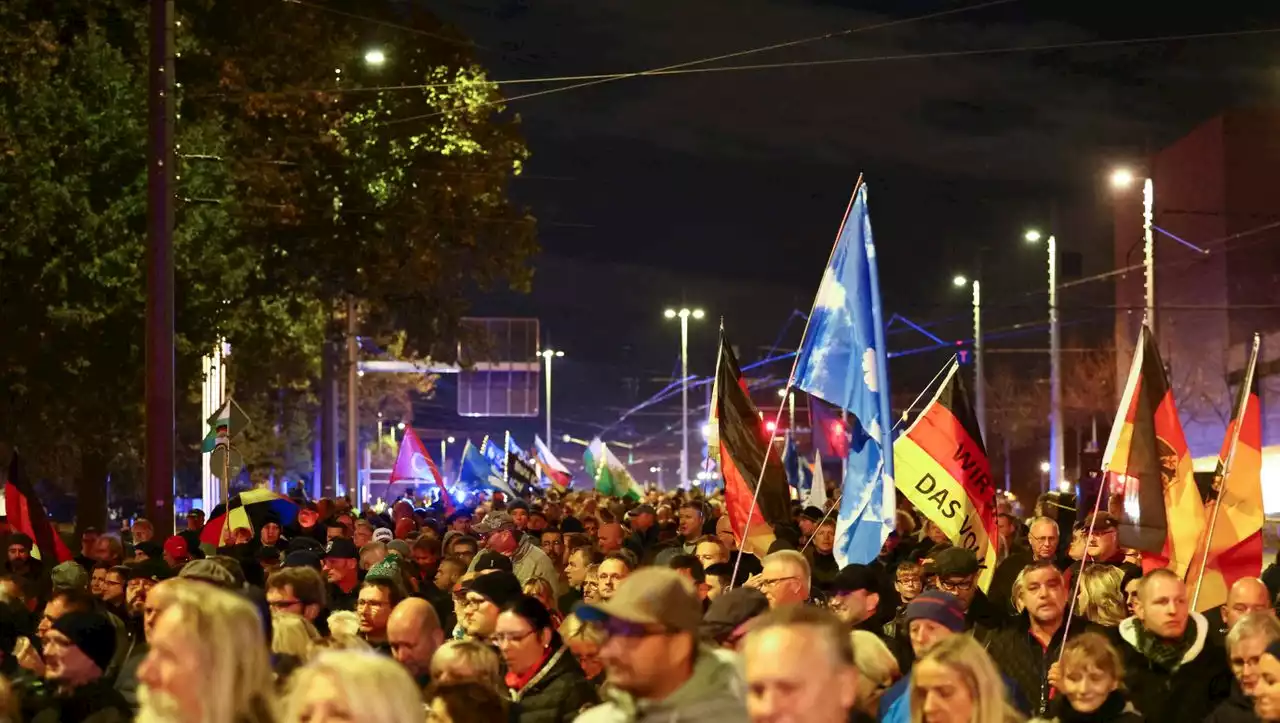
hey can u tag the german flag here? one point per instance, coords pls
(1235, 550)
(1148, 468)
(744, 453)
(26, 515)
(942, 467)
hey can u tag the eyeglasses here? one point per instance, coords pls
(910, 582)
(770, 583)
(473, 602)
(615, 628)
(954, 586)
(371, 605)
(509, 638)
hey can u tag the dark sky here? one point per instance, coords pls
(741, 178)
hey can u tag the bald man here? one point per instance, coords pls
(413, 633)
(1247, 595)
(610, 537)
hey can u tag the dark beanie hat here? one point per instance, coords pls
(941, 607)
(92, 632)
(499, 587)
(21, 538)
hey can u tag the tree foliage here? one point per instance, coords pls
(299, 187)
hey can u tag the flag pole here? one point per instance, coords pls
(1227, 464)
(791, 377)
(1113, 439)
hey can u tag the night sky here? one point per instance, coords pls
(725, 189)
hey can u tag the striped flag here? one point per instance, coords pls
(943, 469)
(1235, 551)
(1148, 468)
(745, 460)
(551, 465)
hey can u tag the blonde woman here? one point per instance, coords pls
(344, 631)
(468, 660)
(208, 660)
(541, 590)
(584, 642)
(1101, 601)
(349, 685)
(294, 636)
(956, 682)
(877, 669)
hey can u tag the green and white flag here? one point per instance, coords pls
(610, 475)
(226, 423)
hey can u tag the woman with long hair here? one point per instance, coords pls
(584, 642)
(957, 682)
(1090, 678)
(353, 685)
(1266, 694)
(1101, 601)
(541, 590)
(877, 669)
(543, 677)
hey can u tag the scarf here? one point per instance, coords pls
(1110, 710)
(1165, 653)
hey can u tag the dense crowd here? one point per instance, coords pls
(581, 607)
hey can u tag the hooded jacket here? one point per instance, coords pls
(713, 694)
(1200, 681)
(529, 561)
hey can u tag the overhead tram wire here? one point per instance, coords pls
(726, 56)
(783, 65)
(462, 42)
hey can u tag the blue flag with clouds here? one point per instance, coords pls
(842, 360)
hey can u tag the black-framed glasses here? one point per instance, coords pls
(954, 586)
(615, 628)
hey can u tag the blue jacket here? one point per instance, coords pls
(895, 704)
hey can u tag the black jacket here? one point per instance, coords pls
(557, 693)
(1020, 656)
(96, 702)
(1117, 708)
(1237, 708)
(1199, 683)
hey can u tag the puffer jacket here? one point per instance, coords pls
(557, 693)
(713, 694)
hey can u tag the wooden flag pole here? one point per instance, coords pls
(1226, 466)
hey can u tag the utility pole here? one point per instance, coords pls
(1149, 249)
(329, 417)
(1055, 372)
(161, 424)
(353, 431)
(979, 379)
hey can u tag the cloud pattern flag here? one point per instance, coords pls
(842, 360)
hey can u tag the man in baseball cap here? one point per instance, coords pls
(527, 558)
(855, 597)
(652, 654)
(342, 570)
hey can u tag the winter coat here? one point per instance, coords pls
(1237, 708)
(96, 702)
(1020, 656)
(895, 704)
(1195, 687)
(529, 561)
(1117, 708)
(557, 693)
(713, 694)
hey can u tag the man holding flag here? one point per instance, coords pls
(842, 360)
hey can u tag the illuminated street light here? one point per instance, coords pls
(706, 429)
(684, 315)
(959, 280)
(782, 392)
(400, 426)
(1044, 466)
(452, 440)
(375, 58)
(1032, 236)
(1121, 178)
(547, 355)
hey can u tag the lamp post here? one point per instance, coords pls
(1122, 178)
(547, 355)
(979, 379)
(683, 315)
(1055, 363)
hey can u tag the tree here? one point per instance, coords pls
(294, 192)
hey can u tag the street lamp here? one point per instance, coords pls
(1045, 466)
(1121, 178)
(1055, 462)
(979, 380)
(684, 315)
(375, 58)
(547, 355)
(959, 280)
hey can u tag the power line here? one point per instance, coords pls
(387, 24)
(725, 56)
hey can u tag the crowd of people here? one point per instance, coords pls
(581, 607)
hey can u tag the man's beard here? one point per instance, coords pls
(157, 707)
